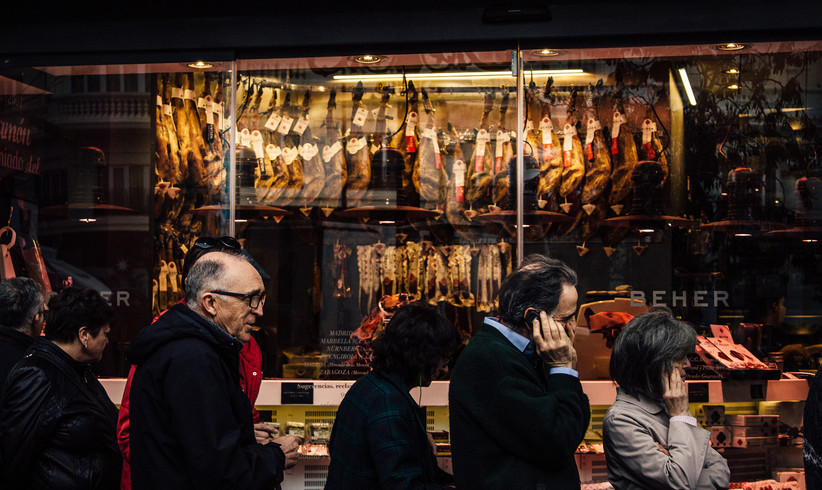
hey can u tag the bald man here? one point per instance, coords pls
(191, 423)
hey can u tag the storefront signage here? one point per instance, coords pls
(16, 141)
(297, 394)
(698, 298)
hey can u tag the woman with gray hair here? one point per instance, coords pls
(651, 439)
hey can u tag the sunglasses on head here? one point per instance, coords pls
(222, 242)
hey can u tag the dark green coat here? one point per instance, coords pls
(511, 426)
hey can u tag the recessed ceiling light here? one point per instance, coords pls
(733, 87)
(743, 234)
(810, 240)
(732, 71)
(547, 53)
(367, 59)
(730, 46)
(646, 230)
(200, 65)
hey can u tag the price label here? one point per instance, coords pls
(273, 122)
(245, 137)
(359, 116)
(459, 180)
(289, 154)
(568, 144)
(302, 123)
(355, 145)
(330, 151)
(309, 151)
(285, 125)
(273, 152)
(257, 143)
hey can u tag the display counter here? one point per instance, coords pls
(330, 393)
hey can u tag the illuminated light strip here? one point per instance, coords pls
(453, 76)
(773, 111)
(683, 74)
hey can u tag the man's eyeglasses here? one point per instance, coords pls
(254, 299)
(222, 241)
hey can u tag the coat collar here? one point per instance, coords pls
(642, 401)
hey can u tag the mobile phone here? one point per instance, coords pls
(531, 316)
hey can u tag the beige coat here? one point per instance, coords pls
(632, 430)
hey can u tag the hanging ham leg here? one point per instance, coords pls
(333, 156)
(357, 152)
(429, 170)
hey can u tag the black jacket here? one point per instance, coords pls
(191, 424)
(13, 345)
(57, 425)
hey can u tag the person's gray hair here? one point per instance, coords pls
(537, 283)
(207, 274)
(647, 348)
(20, 301)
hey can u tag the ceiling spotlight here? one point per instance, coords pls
(366, 59)
(200, 65)
(733, 87)
(732, 71)
(743, 234)
(646, 230)
(730, 46)
(547, 53)
(809, 240)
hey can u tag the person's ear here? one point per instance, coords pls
(208, 303)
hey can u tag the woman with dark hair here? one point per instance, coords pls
(379, 438)
(57, 424)
(651, 439)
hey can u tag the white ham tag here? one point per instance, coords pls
(302, 123)
(159, 101)
(459, 180)
(545, 125)
(529, 126)
(354, 145)
(568, 144)
(167, 109)
(616, 122)
(176, 93)
(245, 137)
(359, 116)
(648, 129)
(430, 133)
(330, 151)
(273, 122)
(309, 151)
(285, 125)
(209, 111)
(220, 115)
(257, 143)
(289, 154)
(201, 103)
(482, 138)
(189, 94)
(273, 152)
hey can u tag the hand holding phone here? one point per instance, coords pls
(553, 344)
(675, 393)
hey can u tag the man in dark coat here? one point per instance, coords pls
(517, 408)
(191, 423)
(21, 320)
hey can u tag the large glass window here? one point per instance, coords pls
(683, 176)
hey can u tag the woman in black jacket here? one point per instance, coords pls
(57, 424)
